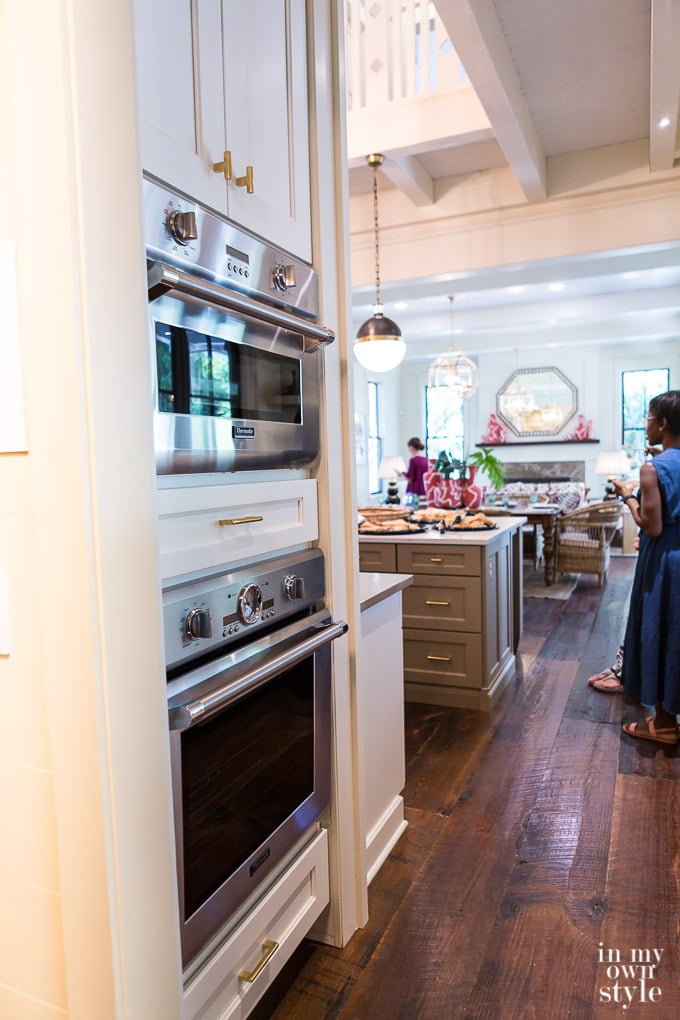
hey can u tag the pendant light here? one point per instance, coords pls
(378, 346)
(453, 370)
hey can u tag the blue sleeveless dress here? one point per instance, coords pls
(651, 657)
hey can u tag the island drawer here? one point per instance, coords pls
(378, 557)
(445, 603)
(452, 560)
(449, 660)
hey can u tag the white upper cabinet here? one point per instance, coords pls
(225, 82)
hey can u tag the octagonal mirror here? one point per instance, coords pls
(536, 401)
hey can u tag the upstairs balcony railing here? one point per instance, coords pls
(397, 50)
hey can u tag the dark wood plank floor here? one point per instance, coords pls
(539, 876)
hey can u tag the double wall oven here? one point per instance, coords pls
(235, 346)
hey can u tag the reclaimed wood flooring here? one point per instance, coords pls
(539, 877)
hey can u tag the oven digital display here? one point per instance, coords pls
(199, 374)
(243, 774)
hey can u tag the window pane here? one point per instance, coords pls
(374, 443)
(638, 388)
(444, 423)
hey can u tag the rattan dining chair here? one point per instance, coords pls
(584, 539)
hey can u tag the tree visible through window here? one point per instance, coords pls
(444, 423)
(637, 389)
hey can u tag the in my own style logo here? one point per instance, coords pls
(630, 975)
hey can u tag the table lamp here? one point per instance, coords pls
(612, 463)
(391, 468)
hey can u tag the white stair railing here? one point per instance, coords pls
(397, 50)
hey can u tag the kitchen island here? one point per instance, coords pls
(462, 616)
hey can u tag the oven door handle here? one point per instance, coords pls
(184, 716)
(163, 279)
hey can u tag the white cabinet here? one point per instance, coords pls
(239, 972)
(380, 716)
(223, 76)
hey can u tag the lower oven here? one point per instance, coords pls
(249, 702)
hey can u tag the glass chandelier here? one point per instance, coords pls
(378, 346)
(453, 370)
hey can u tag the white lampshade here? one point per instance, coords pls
(612, 463)
(380, 355)
(391, 467)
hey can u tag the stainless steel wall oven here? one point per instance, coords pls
(236, 343)
(248, 656)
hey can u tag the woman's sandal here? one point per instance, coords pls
(647, 731)
(606, 681)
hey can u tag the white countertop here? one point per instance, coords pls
(505, 524)
(374, 587)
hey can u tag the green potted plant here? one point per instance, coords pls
(486, 461)
(452, 480)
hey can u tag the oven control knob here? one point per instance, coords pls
(249, 603)
(198, 624)
(294, 587)
(283, 277)
(182, 226)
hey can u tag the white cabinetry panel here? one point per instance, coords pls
(195, 532)
(284, 916)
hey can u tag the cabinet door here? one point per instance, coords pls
(267, 125)
(180, 100)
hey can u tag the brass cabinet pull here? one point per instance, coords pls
(436, 559)
(431, 602)
(440, 658)
(270, 948)
(224, 167)
(247, 181)
(229, 521)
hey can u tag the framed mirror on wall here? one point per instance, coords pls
(536, 401)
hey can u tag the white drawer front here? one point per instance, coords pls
(284, 915)
(208, 526)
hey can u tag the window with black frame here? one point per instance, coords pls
(638, 386)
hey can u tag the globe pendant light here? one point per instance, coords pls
(378, 346)
(454, 371)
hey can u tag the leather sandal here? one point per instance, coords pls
(647, 731)
(606, 681)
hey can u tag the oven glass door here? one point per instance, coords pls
(251, 765)
(202, 374)
(244, 772)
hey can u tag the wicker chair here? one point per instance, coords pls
(584, 538)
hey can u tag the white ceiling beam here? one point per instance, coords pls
(664, 84)
(477, 37)
(409, 175)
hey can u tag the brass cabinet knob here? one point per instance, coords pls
(224, 167)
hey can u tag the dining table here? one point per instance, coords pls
(543, 515)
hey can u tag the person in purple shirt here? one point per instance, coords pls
(417, 467)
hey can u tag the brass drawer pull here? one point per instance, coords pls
(431, 602)
(440, 658)
(436, 559)
(270, 948)
(229, 521)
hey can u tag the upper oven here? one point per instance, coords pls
(236, 343)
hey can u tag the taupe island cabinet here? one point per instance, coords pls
(462, 616)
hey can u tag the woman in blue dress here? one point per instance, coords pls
(651, 658)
